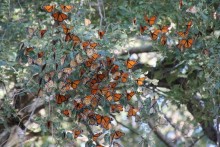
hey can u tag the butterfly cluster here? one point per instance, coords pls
(161, 32)
(89, 86)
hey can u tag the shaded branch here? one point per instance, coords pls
(165, 140)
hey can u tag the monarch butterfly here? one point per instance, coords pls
(180, 4)
(104, 121)
(124, 77)
(116, 108)
(85, 44)
(112, 85)
(75, 83)
(95, 88)
(66, 8)
(163, 40)
(95, 66)
(68, 37)
(164, 29)
(132, 111)
(117, 97)
(143, 28)
(185, 43)
(66, 112)
(130, 95)
(93, 45)
(49, 8)
(116, 75)
(95, 136)
(109, 61)
(154, 34)
(87, 99)
(76, 40)
(93, 82)
(101, 34)
(77, 133)
(40, 54)
(59, 16)
(188, 26)
(104, 90)
(42, 32)
(100, 77)
(108, 96)
(78, 105)
(95, 56)
(140, 81)
(114, 68)
(99, 146)
(66, 30)
(68, 70)
(117, 135)
(89, 62)
(61, 98)
(87, 22)
(151, 20)
(130, 63)
(94, 102)
(183, 34)
(28, 50)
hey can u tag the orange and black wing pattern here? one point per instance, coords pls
(59, 16)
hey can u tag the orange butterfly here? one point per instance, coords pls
(112, 85)
(68, 37)
(101, 34)
(76, 40)
(154, 34)
(143, 28)
(89, 62)
(124, 77)
(163, 40)
(77, 133)
(93, 45)
(130, 95)
(130, 63)
(95, 136)
(117, 97)
(40, 54)
(117, 135)
(188, 26)
(104, 121)
(75, 83)
(78, 105)
(95, 56)
(61, 98)
(66, 112)
(28, 50)
(114, 68)
(110, 61)
(66, 8)
(116, 108)
(100, 77)
(151, 20)
(104, 90)
(185, 43)
(59, 16)
(49, 8)
(108, 96)
(132, 111)
(66, 30)
(183, 34)
(85, 44)
(116, 75)
(164, 29)
(140, 81)
(42, 32)
(95, 88)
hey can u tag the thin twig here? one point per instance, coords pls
(100, 12)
